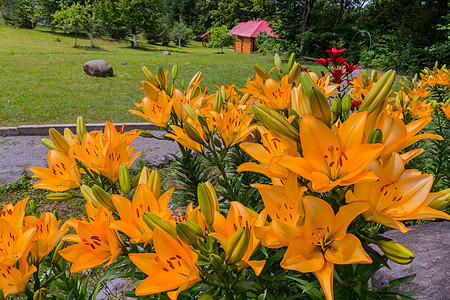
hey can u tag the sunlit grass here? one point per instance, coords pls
(42, 78)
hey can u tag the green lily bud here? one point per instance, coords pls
(56, 257)
(217, 142)
(192, 133)
(336, 108)
(149, 76)
(81, 128)
(40, 294)
(261, 72)
(223, 93)
(143, 176)
(59, 141)
(197, 77)
(186, 234)
(278, 63)
(291, 61)
(195, 227)
(201, 119)
(89, 195)
(294, 72)
(377, 95)
(217, 105)
(153, 221)
(307, 84)
(195, 93)
(103, 198)
(375, 136)
(396, 252)
(441, 202)
(58, 197)
(206, 297)
(216, 261)
(154, 183)
(319, 106)
(182, 84)
(190, 111)
(49, 144)
(208, 202)
(244, 98)
(374, 75)
(346, 106)
(174, 72)
(32, 207)
(274, 121)
(145, 133)
(124, 179)
(237, 246)
(162, 77)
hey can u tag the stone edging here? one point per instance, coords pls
(43, 129)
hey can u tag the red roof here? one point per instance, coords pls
(252, 28)
(205, 34)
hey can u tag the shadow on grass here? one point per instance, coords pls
(90, 48)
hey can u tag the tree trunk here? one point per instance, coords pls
(92, 41)
(307, 7)
(76, 34)
(179, 42)
(341, 11)
(134, 40)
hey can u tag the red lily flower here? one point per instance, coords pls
(337, 75)
(324, 62)
(335, 52)
(350, 67)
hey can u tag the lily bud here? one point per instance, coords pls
(336, 108)
(2, 296)
(208, 201)
(375, 136)
(103, 198)
(174, 72)
(190, 111)
(195, 93)
(201, 119)
(278, 63)
(192, 133)
(161, 78)
(291, 61)
(223, 93)
(58, 197)
(182, 84)
(319, 106)
(195, 227)
(150, 90)
(153, 221)
(89, 195)
(32, 207)
(186, 234)
(261, 72)
(59, 141)
(149, 75)
(197, 77)
(237, 246)
(346, 106)
(145, 175)
(154, 183)
(374, 75)
(274, 121)
(294, 73)
(124, 179)
(81, 128)
(217, 142)
(206, 297)
(40, 294)
(377, 95)
(244, 98)
(145, 133)
(217, 105)
(56, 257)
(216, 261)
(49, 144)
(441, 202)
(307, 84)
(396, 252)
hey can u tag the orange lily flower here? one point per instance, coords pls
(46, 237)
(420, 109)
(15, 240)
(61, 175)
(276, 95)
(325, 242)
(173, 266)
(156, 112)
(397, 136)
(181, 137)
(233, 125)
(361, 86)
(332, 159)
(446, 109)
(323, 84)
(283, 203)
(238, 216)
(14, 281)
(104, 153)
(268, 154)
(399, 195)
(96, 243)
(131, 213)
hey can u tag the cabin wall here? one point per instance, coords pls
(244, 44)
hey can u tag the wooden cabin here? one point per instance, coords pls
(246, 33)
(203, 37)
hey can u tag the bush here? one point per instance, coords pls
(180, 34)
(268, 44)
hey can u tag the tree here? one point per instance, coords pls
(76, 17)
(19, 13)
(180, 34)
(220, 38)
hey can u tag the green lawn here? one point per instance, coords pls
(42, 78)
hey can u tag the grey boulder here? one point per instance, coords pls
(167, 53)
(431, 245)
(98, 68)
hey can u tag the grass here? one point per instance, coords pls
(42, 80)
